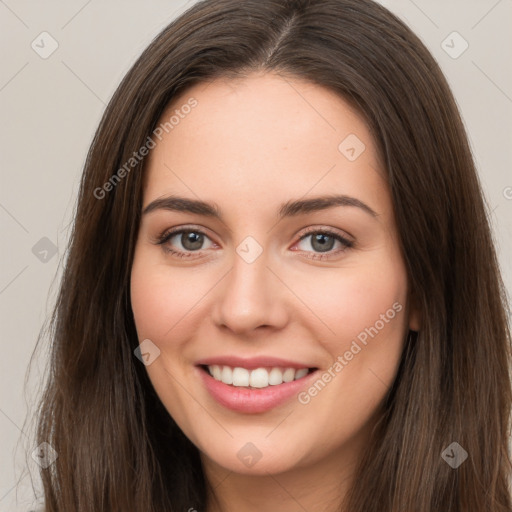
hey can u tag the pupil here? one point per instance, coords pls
(192, 241)
(321, 240)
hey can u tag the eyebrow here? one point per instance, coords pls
(288, 209)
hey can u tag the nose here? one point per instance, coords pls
(249, 297)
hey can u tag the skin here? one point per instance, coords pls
(249, 146)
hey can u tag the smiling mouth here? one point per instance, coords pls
(256, 378)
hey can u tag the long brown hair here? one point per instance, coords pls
(119, 450)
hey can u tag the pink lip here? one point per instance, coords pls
(252, 362)
(252, 401)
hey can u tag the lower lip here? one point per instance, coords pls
(252, 401)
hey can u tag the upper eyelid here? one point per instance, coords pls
(175, 231)
(330, 231)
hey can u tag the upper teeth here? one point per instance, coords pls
(257, 378)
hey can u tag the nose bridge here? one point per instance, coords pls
(250, 296)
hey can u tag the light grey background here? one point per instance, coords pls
(51, 107)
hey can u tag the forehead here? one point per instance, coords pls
(264, 135)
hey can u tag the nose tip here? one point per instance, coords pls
(250, 297)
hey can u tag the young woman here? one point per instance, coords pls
(281, 291)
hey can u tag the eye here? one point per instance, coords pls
(184, 242)
(323, 241)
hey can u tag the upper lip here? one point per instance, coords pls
(251, 362)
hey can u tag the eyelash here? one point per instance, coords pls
(164, 237)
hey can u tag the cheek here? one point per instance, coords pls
(364, 310)
(356, 298)
(162, 301)
(163, 309)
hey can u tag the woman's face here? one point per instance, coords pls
(288, 269)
